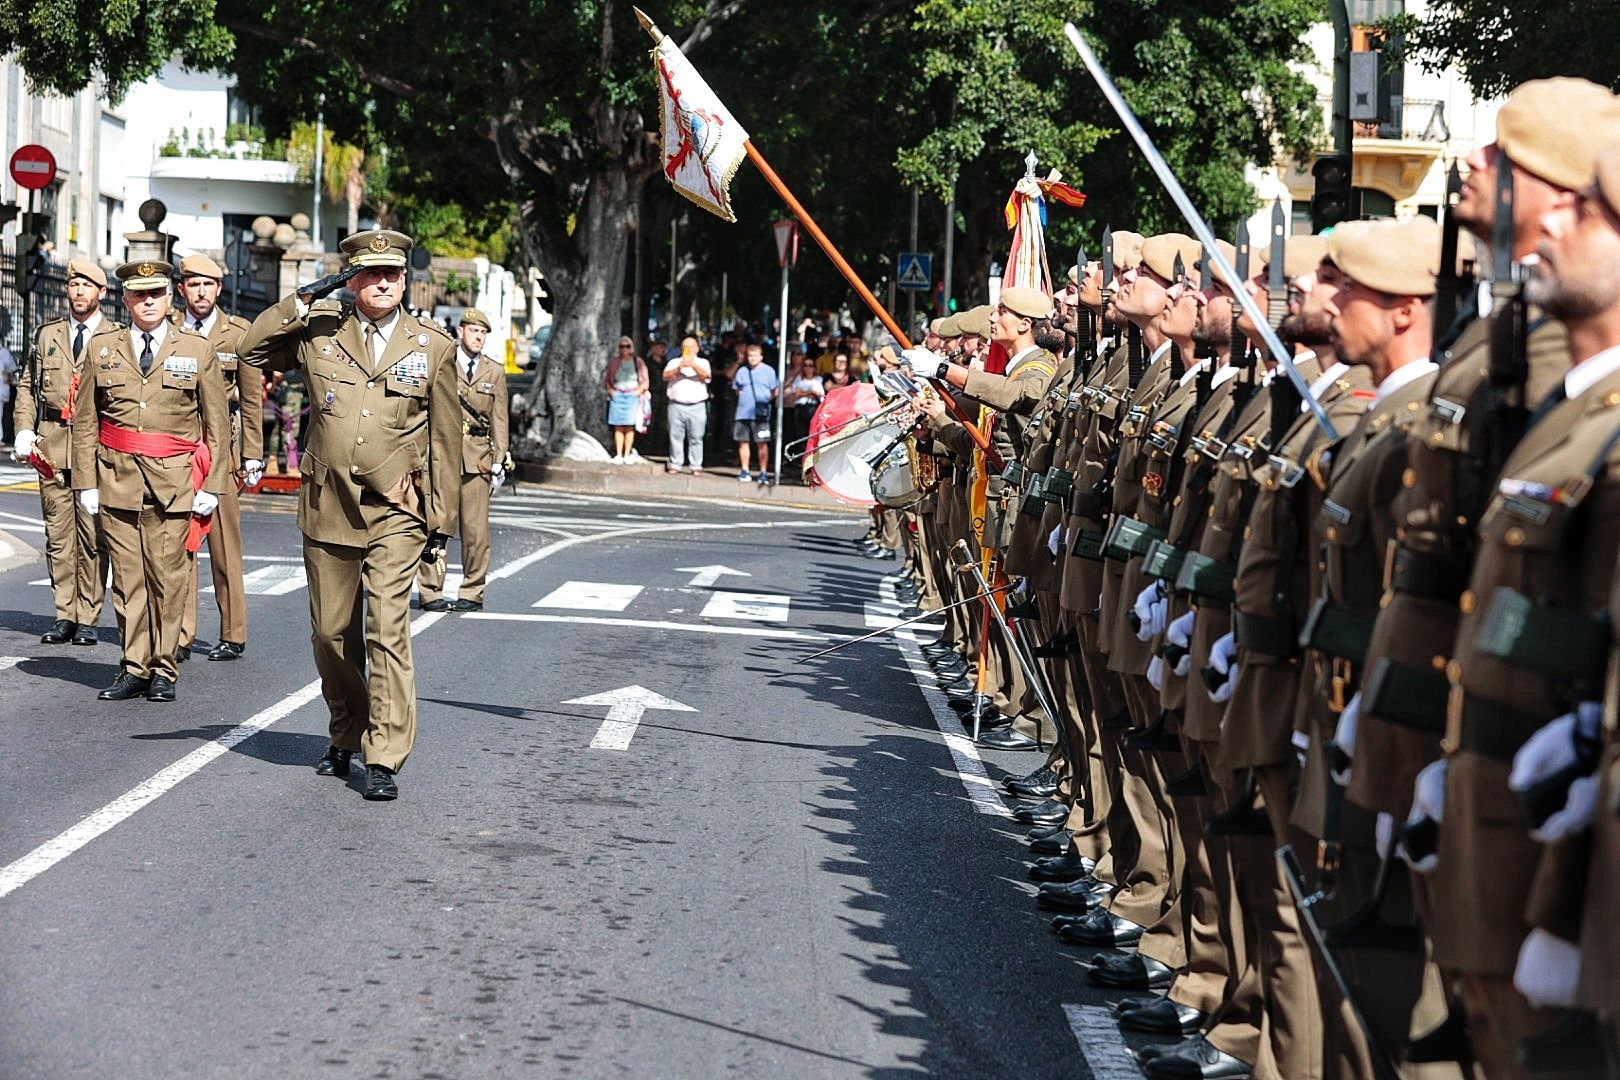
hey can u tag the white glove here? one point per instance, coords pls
(1223, 658)
(497, 477)
(254, 468)
(1548, 970)
(1384, 834)
(90, 499)
(923, 361)
(1568, 741)
(204, 503)
(1576, 815)
(1055, 540)
(1179, 633)
(1344, 736)
(1428, 802)
(1155, 672)
(23, 446)
(1152, 608)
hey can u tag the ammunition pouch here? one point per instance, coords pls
(1128, 538)
(1207, 580)
(1336, 631)
(1013, 473)
(1163, 560)
(1033, 504)
(1410, 697)
(1059, 485)
(1432, 577)
(1555, 642)
(1088, 544)
(1265, 634)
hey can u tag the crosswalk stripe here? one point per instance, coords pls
(589, 596)
(755, 607)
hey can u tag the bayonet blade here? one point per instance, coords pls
(1108, 259)
(1179, 271)
(1242, 264)
(1276, 277)
(1502, 229)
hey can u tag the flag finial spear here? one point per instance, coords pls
(1029, 163)
(648, 25)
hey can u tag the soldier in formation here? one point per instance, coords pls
(1310, 617)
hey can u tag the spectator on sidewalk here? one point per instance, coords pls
(757, 390)
(802, 395)
(839, 375)
(8, 380)
(625, 382)
(686, 382)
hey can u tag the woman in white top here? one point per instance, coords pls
(803, 394)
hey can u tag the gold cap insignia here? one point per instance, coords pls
(379, 243)
(147, 269)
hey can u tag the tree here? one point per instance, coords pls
(1498, 44)
(343, 167)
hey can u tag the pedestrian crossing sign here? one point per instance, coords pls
(916, 270)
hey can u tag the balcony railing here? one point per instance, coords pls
(1411, 120)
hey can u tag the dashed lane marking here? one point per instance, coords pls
(754, 607)
(650, 624)
(589, 596)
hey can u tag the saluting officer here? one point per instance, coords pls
(481, 384)
(148, 428)
(73, 549)
(381, 470)
(200, 279)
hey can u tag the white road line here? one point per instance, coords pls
(27, 520)
(755, 607)
(1097, 1032)
(10, 661)
(590, 596)
(650, 624)
(879, 615)
(969, 766)
(15, 875)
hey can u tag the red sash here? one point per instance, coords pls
(156, 444)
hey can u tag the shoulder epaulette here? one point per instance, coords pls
(434, 324)
(237, 322)
(328, 307)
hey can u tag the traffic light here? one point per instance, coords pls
(1330, 204)
(35, 225)
(951, 304)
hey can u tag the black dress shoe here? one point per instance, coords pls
(125, 687)
(380, 785)
(1068, 867)
(1065, 644)
(1128, 1004)
(162, 689)
(1196, 1059)
(1448, 1042)
(183, 653)
(1189, 785)
(1006, 739)
(468, 605)
(227, 650)
(1041, 832)
(1023, 609)
(990, 720)
(439, 604)
(1041, 775)
(85, 635)
(1120, 721)
(1041, 790)
(1163, 1017)
(1055, 844)
(1155, 738)
(60, 633)
(1101, 928)
(335, 762)
(1071, 896)
(1050, 812)
(1129, 972)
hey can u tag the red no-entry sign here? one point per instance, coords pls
(33, 166)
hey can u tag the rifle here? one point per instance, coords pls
(1241, 356)
(1447, 285)
(1506, 416)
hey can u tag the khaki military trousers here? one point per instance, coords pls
(74, 554)
(360, 611)
(474, 529)
(147, 548)
(225, 564)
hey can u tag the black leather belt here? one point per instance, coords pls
(1337, 631)
(1265, 634)
(1433, 577)
(1495, 731)
(1558, 643)
(53, 415)
(1410, 697)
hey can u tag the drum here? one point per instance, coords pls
(893, 485)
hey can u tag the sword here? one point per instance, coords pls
(902, 624)
(1199, 226)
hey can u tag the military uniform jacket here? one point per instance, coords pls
(1435, 526)
(389, 432)
(182, 395)
(1552, 535)
(1092, 460)
(1027, 554)
(244, 388)
(1014, 397)
(53, 359)
(483, 415)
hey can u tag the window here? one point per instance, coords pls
(238, 111)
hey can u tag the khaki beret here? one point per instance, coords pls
(88, 270)
(886, 356)
(200, 266)
(949, 327)
(1398, 258)
(1554, 128)
(1074, 274)
(473, 317)
(1302, 254)
(1159, 253)
(1607, 181)
(1127, 250)
(1030, 303)
(377, 247)
(145, 274)
(1209, 274)
(976, 320)
(934, 325)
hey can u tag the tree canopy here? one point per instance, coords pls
(1498, 44)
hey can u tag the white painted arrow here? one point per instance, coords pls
(708, 575)
(624, 709)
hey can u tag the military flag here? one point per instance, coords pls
(702, 142)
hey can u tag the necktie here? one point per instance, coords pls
(471, 364)
(371, 343)
(1554, 398)
(196, 324)
(78, 342)
(146, 355)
